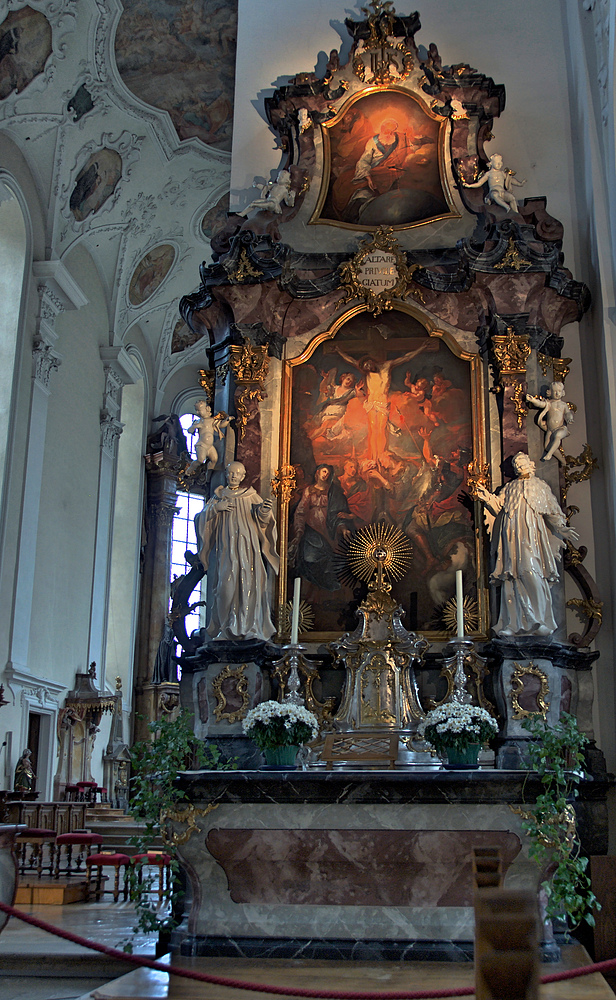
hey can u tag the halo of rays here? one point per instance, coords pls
(379, 544)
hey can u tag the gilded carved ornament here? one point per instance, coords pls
(517, 687)
(187, 815)
(560, 366)
(284, 482)
(511, 352)
(241, 686)
(389, 61)
(478, 475)
(207, 380)
(250, 365)
(512, 258)
(241, 270)
(378, 273)
(476, 671)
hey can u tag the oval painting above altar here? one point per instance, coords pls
(150, 273)
(382, 164)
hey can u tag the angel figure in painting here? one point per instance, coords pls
(208, 427)
(237, 534)
(500, 180)
(273, 195)
(528, 534)
(553, 419)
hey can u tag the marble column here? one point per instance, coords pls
(154, 602)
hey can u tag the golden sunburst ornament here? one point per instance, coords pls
(469, 613)
(380, 548)
(306, 617)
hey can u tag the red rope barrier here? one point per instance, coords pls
(463, 991)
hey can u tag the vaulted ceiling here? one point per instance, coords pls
(124, 112)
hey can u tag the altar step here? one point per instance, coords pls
(144, 984)
(48, 891)
(117, 830)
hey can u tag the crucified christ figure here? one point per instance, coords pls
(377, 380)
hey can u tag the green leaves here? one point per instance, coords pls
(155, 767)
(556, 754)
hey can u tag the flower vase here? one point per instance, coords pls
(463, 759)
(282, 758)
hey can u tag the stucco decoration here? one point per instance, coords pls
(181, 58)
(150, 273)
(25, 46)
(95, 182)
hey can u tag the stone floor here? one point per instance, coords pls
(35, 966)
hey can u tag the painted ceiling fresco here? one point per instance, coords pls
(179, 55)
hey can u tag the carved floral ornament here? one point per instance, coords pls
(511, 353)
(250, 366)
(378, 273)
(517, 688)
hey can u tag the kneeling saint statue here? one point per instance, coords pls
(527, 537)
(237, 531)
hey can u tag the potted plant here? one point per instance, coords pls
(457, 732)
(279, 729)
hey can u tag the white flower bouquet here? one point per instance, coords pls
(280, 724)
(456, 726)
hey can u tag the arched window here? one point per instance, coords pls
(183, 536)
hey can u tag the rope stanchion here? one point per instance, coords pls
(204, 977)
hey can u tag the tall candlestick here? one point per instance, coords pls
(295, 618)
(459, 603)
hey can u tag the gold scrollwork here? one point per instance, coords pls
(517, 687)
(399, 274)
(589, 608)
(284, 482)
(565, 839)
(237, 674)
(511, 352)
(513, 258)
(250, 365)
(478, 475)
(240, 272)
(560, 366)
(382, 51)
(222, 371)
(206, 381)
(187, 815)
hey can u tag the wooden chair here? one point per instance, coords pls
(107, 860)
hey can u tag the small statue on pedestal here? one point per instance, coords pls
(528, 535)
(207, 426)
(237, 531)
(24, 774)
(500, 180)
(553, 419)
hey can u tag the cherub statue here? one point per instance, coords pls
(553, 419)
(500, 180)
(207, 426)
(273, 195)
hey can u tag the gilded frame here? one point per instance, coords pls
(326, 126)
(478, 429)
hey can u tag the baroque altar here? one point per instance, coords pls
(386, 333)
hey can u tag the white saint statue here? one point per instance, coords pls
(237, 531)
(553, 419)
(528, 534)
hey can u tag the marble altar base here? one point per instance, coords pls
(345, 864)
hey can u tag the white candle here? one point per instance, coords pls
(460, 603)
(295, 618)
